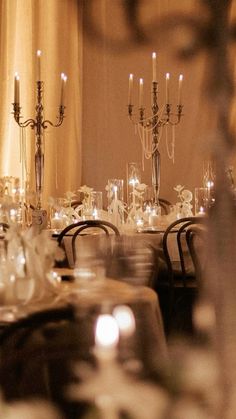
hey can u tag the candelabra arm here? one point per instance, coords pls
(60, 119)
(17, 116)
(177, 116)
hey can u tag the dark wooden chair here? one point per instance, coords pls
(37, 353)
(177, 278)
(196, 239)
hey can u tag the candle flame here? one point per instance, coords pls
(63, 76)
(107, 331)
(181, 77)
(141, 81)
(39, 53)
(154, 55)
(125, 319)
(131, 76)
(167, 76)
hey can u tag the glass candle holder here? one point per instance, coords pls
(97, 204)
(115, 196)
(201, 196)
(133, 179)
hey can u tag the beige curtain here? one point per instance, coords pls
(53, 26)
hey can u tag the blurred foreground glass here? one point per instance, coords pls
(92, 253)
(201, 196)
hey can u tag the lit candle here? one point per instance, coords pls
(154, 66)
(95, 214)
(106, 336)
(39, 65)
(125, 319)
(131, 79)
(140, 93)
(115, 193)
(167, 87)
(63, 83)
(17, 89)
(201, 211)
(180, 88)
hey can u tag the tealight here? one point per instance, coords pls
(57, 222)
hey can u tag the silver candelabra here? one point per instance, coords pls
(39, 124)
(152, 124)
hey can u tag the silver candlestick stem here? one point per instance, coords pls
(38, 124)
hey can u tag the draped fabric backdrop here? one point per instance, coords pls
(53, 26)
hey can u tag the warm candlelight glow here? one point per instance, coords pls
(106, 332)
(115, 192)
(17, 89)
(63, 83)
(39, 53)
(167, 87)
(131, 79)
(125, 319)
(140, 93)
(95, 214)
(154, 66)
(180, 88)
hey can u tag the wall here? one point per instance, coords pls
(109, 140)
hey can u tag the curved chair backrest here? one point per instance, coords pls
(76, 229)
(86, 224)
(195, 237)
(180, 228)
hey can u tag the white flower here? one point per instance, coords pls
(186, 195)
(70, 195)
(178, 188)
(85, 190)
(141, 187)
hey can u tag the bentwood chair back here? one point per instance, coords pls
(196, 239)
(82, 228)
(178, 276)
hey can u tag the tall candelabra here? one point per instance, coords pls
(39, 124)
(152, 125)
